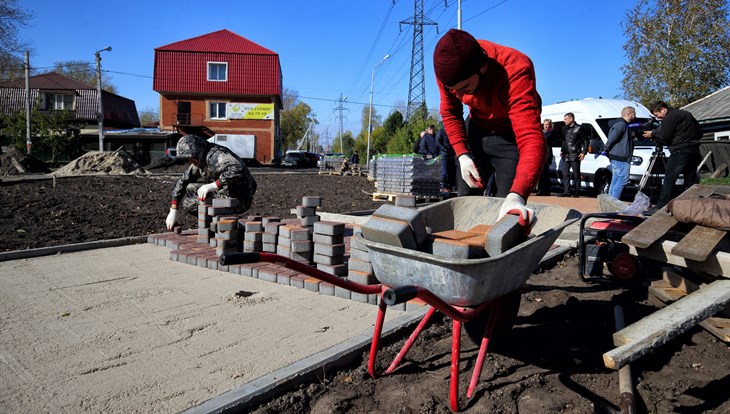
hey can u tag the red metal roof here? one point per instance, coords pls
(222, 41)
(253, 70)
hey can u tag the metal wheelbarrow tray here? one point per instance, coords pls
(469, 282)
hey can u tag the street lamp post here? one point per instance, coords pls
(100, 113)
(370, 114)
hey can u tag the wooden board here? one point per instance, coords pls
(661, 222)
(699, 243)
(662, 296)
(642, 337)
(717, 264)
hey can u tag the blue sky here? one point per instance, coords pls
(328, 47)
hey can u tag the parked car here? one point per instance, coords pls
(300, 159)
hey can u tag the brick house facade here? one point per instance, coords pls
(221, 83)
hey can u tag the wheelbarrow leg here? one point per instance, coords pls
(411, 340)
(375, 344)
(455, 351)
(488, 330)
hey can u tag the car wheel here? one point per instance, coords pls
(601, 183)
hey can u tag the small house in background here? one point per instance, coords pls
(713, 114)
(54, 91)
(223, 85)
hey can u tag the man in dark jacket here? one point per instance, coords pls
(619, 149)
(427, 146)
(681, 132)
(573, 151)
(224, 175)
(448, 162)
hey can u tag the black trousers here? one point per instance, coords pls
(496, 158)
(681, 161)
(565, 168)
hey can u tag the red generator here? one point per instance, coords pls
(600, 243)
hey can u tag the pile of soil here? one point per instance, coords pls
(550, 362)
(101, 162)
(168, 165)
(11, 158)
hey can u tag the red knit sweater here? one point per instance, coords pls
(506, 101)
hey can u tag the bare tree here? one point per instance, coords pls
(677, 50)
(84, 72)
(12, 17)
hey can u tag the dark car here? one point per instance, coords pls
(300, 159)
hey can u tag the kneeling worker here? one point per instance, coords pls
(224, 174)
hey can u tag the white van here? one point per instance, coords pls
(596, 116)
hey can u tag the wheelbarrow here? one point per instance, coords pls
(465, 290)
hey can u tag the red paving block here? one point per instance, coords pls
(268, 273)
(173, 255)
(283, 276)
(297, 280)
(252, 269)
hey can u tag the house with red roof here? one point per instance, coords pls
(221, 84)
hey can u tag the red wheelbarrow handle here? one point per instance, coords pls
(400, 294)
(243, 258)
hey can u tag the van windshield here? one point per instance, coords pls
(636, 133)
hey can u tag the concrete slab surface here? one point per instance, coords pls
(125, 329)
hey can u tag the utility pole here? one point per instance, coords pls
(28, 142)
(370, 113)
(340, 107)
(417, 86)
(100, 103)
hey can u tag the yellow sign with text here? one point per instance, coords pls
(238, 110)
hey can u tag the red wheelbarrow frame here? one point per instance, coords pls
(393, 296)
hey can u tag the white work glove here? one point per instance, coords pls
(170, 220)
(469, 172)
(205, 189)
(515, 204)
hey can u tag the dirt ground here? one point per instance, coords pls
(550, 362)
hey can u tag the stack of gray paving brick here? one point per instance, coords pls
(271, 233)
(204, 221)
(329, 247)
(331, 162)
(227, 237)
(360, 269)
(295, 242)
(409, 174)
(307, 211)
(253, 235)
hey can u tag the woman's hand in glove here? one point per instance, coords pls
(469, 172)
(171, 217)
(205, 189)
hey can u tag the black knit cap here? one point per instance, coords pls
(457, 57)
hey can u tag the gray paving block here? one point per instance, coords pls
(297, 280)
(405, 200)
(302, 257)
(360, 265)
(391, 232)
(360, 254)
(283, 251)
(269, 238)
(225, 202)
(312, 284)
(337, 270)
(300, 234)
(363, 278)
(227, 235)
(414, 218)
(254, 236)
(359, 297)
(227, 225)
(325, 239)
(268, 273)
(326, 289)
(309, 220)
(301, 246)
(328, 260)
(270, 219)
(268, 247)
(329, 249)
(330, 228)
(342, 293)
(312, 201)
(504, 235)
(254, 226)
(356, 243)
(252, 246)
(273, 227)
(283, 241)
(303, 211)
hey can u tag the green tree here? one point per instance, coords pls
(294, 123)
(55, 131)
(348, 144)
(84, 72)
(361, 141)
(677, 50)
(12, 17)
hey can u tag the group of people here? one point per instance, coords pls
(500, 148)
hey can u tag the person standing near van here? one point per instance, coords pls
(619, 149)
(502, 133)
(681, 132)
(543, 186)
(573, 151)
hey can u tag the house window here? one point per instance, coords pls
(58, 101)
(217, 110)
(218, 71)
